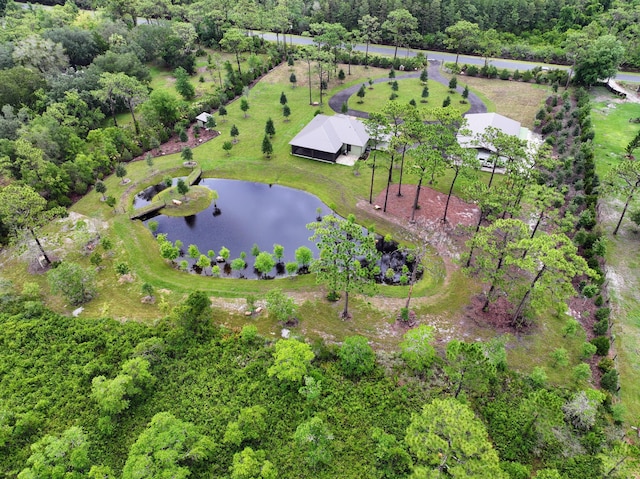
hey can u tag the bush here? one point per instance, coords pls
(122, 268)
(356, 356)
(590, 290)
(600, 328)
(605, 364)
(609, 381)
(603, 313)
(472, 70)
(588, 350)
(602, 344)
(76, 284)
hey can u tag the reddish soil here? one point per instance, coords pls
(431, 207)
(174, 145)
(449, 238)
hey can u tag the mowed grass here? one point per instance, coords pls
(517, 100)
(408, 89)
(437, 300)
(613, 130)
(610, 119)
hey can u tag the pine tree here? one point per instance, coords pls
(244, 106)
(267, 147)
(222, 111)
(425, 94)
(283, 99)
(269, 128)
(235, 132)
(361, 93)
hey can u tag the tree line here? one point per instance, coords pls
(517, 29)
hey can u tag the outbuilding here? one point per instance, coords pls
(202, 119)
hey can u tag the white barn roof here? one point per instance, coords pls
(329, 133)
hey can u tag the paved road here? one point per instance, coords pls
(445, 57)
(408, 52)
(336, 101)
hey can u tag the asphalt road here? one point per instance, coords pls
(445, 57)
(408, 52)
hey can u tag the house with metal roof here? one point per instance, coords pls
(325, 138)
(477, 123)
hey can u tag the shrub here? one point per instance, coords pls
(248, 333)
(356, 356)
(590, 290)
(602, 344)
(75, 283)
(588, 350)
(538, 376)
(600, 327)
(605, 364)
(560, 357)
(609, 381)
(472, 70)
(122, 268)
(603, 313)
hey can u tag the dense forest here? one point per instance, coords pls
(98, 398)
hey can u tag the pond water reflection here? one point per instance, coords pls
(250, 213)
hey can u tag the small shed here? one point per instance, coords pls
(202, 119)
(325, 138)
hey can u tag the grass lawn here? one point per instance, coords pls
(613, 132)
(514, 99)
(408, 89)
(438, 299)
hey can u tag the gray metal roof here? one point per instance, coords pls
(329, 133)
(204, 116)
(477, 123)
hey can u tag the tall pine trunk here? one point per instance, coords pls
(520, 307)
(453, 182)
(373, 172)
(624, 211)
(416, 200)
(386, 195)
(44, 254)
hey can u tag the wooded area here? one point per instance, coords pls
(85, 93)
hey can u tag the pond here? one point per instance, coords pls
(250, 213)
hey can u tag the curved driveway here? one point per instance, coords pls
(336, 101)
